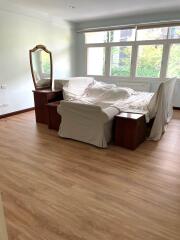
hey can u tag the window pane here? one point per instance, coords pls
(149, 61)
(96, 37)
(121, 61)
(95, 60)
(152, 34)
(122, 35)
(174, 32)
(174, 61)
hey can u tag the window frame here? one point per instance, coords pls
(166, 43)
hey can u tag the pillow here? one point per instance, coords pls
(103, 85)
(74, 84)
(75, 87)
(126, 90)
(118, 93)
(98, 88)
(108, 91)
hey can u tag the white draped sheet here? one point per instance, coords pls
(88, 117)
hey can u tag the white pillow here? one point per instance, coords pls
(108, 91)
(126, 90)
(118, 93)
(98, 88)
(76, 86)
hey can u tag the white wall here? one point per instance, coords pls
(80, 50)
(18, 34)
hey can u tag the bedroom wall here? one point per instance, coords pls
(19, 34)
(142, 18)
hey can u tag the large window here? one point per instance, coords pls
(134, 53)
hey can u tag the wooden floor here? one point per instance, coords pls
(56, 189)
(3, 230)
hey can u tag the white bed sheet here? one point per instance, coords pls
(89, 117)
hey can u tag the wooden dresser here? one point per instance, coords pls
(41, 99)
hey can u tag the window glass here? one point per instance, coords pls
(152, 34)
(95, 60)
(149, 61)
(120, 61)
(122, 35)
(96, 37)
(174, 61)
(174, 32)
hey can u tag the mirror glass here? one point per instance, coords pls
(41, 67)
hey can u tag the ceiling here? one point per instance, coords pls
(81, 10)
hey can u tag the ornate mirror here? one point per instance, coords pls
(41, 67)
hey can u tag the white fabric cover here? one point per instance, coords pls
(73, 86)
(86, 123)
(161, 108)
(135, 85)
(101, 94)
(89, 117)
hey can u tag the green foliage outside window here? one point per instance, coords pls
(121, 61)
(149, 61)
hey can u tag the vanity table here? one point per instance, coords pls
(42, 75)
(41, 99)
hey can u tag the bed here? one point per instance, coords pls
(89, 107)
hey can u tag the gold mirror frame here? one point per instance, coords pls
(42, 47)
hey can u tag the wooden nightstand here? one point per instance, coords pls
(41, 99)
(54, 119)
(130, 130)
